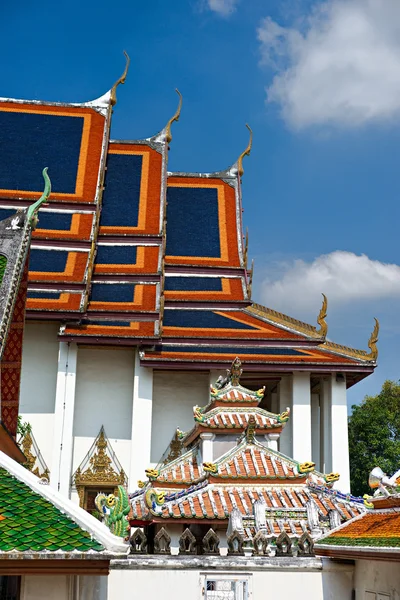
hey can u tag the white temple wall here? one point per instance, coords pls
(174, 395)
(181, 582)
(103, 396)
(38, 382)
(377, 580)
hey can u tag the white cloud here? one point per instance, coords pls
(222, 7)
(339, 66)
(343, 276)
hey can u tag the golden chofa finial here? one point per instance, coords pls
(323, 326)
(113, 96)
(168, 134)
(245, 152)
(372, 342)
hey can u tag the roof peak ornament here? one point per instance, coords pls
(34, 208)
(372, 342)
(122, 79)
(245, 152)
(175, 117)
(323, 325)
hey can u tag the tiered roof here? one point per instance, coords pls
(128, 253)
(184, 487)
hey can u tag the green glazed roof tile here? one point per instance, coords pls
(31, 522)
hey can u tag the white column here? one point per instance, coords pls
(301, 417)
(207, 453)
(142, 410)
(272, 441)
(61, 467)
(325, 425)
(340, 438)
(315, 431)
(285, 401)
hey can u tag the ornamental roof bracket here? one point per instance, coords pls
(34, 208)
(122, 79)
(323, 326)
(175, 117)
(372, 342)
(245, 152)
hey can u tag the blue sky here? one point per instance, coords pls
(319, 83)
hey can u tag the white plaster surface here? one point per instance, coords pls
(187, 584)
(142, 411)
(38, 383)
(174, 395)
(301, 417)
(284, 402)
(378, 577)
(104, 390)
(340, 438)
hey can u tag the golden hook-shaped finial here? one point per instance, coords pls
(323, 326)
(372, 342)
(168, 134)
(245, 152)
(113, 97)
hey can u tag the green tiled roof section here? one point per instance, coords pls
(376, 542)
(32, 523)
(3, 264)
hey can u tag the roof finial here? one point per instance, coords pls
(168, 134)
(236, 371)
(245, 152)
(113, 97)
(373, 355)
(323, 326)
(34, 208)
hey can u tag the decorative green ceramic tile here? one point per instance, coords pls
(29, 522)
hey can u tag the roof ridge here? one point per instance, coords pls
(282, 319)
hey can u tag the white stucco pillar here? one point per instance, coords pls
(301, 417)
(61, 466)
(340, 438)
(315, 431)
(325, 425)
(284, 402)
(142, 410)
(272, 441)
(207, 453)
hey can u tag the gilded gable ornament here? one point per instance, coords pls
(100, 468)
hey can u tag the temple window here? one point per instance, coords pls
(226, 588)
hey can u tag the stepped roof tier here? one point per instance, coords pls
(202, 478)
(375, 534)
(129, 253)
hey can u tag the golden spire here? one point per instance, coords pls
(168, 134)
(113, 97)
(323, 326)
(373, 355)
(245, 153)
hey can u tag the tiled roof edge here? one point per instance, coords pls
(99, 531)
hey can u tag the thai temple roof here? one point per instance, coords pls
(129, 253)
(34, 518)
(244, 472)
(374, 534)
